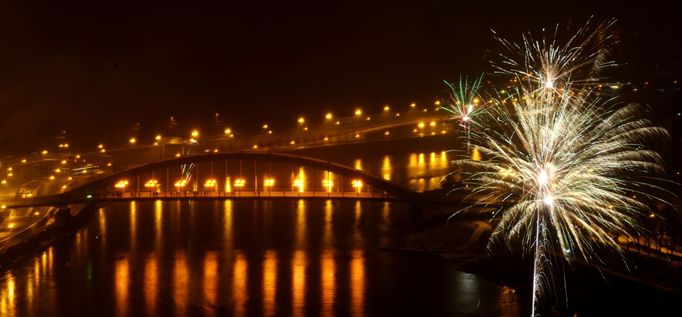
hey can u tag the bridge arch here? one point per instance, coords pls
(79, 192)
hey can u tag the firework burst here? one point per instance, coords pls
(464, 100)
(564, 162)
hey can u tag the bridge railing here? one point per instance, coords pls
(245, 193)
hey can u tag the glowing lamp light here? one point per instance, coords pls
(210, 183)
(44, 152)
(152, 183)
(269, 182)
(358, 112)
(228, 131)
(328, 184)
(301, 120)
(299, 184)
(23, 161)
(387, 108)
(239, 183)
(100, 146)
(357, 184)
(132, 140)
(432, 124)
(413, 105)
(180, 183)
(195, 134)
(328, 116)
(420, 125)
(387, 133)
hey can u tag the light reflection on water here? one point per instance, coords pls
(242, 258)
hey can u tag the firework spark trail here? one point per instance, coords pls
(463, 103)
(565, 160)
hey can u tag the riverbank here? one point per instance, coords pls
(58, 223)
(638, 286)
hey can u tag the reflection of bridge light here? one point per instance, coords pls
(239, 182)
(210, 183)
(357, 184)
(152, 183)
(269, 182)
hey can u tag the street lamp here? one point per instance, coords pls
(358, 112)
(180, 184)
(268, 183)
(329, 116)
(122, 184)
(132, 141)
(357, 184)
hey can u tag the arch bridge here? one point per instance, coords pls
(227, 175)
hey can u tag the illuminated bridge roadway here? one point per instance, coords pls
(338, 181)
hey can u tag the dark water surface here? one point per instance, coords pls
(244, 258)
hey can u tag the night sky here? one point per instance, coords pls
(95, 68)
